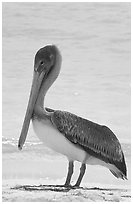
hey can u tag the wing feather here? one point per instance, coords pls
(95, 139)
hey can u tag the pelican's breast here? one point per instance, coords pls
(53, 139)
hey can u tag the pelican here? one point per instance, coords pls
(75, 137)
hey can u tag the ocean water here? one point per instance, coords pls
(94, 39)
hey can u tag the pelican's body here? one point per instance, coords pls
(53, 139)
(75, 137)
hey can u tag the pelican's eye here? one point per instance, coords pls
(42, 62)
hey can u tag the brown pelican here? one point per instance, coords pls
(77, 138)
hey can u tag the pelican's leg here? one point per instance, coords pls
(82, 172)
(69, 174)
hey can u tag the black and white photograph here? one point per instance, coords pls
(66, 101)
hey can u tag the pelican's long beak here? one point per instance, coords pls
(36, 84)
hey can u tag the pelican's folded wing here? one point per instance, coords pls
(97, 140)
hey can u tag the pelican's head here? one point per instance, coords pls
(46, 69)
(45, 59)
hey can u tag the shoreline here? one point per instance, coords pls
(37, 175)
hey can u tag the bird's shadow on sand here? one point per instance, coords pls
(59, 188)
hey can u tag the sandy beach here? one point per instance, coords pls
(33, 191)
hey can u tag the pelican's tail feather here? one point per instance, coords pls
(117, 173)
